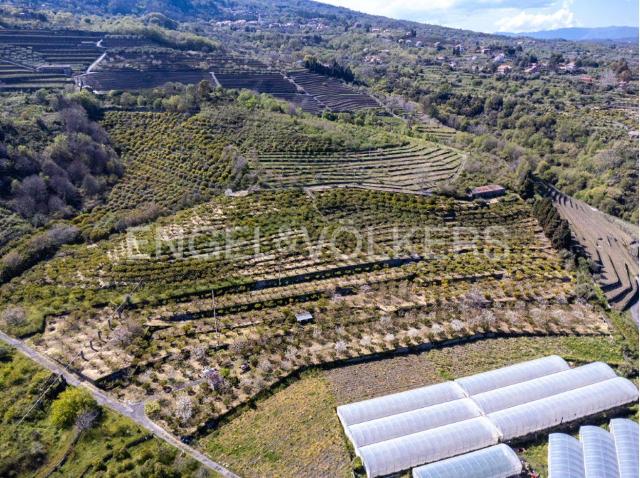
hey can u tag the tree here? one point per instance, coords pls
(184, 408)
(70, 405)
(14, 316)
(85, 420)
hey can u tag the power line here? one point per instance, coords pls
(69, 363)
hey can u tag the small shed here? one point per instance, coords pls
(487, 192)
(304, 317)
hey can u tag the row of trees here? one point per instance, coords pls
(555, 228)
(333, 69)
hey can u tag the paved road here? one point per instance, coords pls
(135, 412)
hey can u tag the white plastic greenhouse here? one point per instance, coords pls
(422, 419)
(543, 387)
(534, 416)
(398, 403)
(418, 427)
(498, 461)
(402, 453)
(599, 451)
(625, 436)
(565, 458)
(505, 376)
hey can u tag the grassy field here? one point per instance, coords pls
(295, 432)
(113, 447)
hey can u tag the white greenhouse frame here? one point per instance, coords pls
(544, 387)
(402, 453)
(403, 430)
(505, 376)
(395, 403)
(599, 451)
(625, 436)
(386, 428)
(498, 461)
(564, 458)
(519, 421)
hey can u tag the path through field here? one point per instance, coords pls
(135, 412)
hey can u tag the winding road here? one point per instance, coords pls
(134, 411)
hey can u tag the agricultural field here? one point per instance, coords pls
(610, 243)
(309, 403)
(23, 54)
(217, 293)
(416, 167)
(112, 446)
(331, 93)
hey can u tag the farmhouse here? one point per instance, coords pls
(504, 69)
(488, 191)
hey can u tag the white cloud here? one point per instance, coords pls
(530, 21)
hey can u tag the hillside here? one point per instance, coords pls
(223, 218)
(584, 34)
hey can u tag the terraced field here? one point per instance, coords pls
(435, 131)
(612, 244)
(415, 167)
(219, 290)
(23, 52)
(331, 93)
(132, 80)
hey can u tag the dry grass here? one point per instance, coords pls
(437, 365)
(293, 433)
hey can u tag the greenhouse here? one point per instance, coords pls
(543, 387)
(386, 428)
(498, 461)
(625, 436)
(599, 451)
(398, 403)
(418, 427)
(403, 453)
(565, 458)
(505, 376)
(519, 421)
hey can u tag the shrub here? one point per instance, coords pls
(70, 405)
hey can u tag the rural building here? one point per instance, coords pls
(504, 69)
(304, 317)
(534, 68)
(487, 192)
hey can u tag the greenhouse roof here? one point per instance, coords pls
(517, 373)
(497, 461)
(625, 436)
(598, 453)
(399, 431)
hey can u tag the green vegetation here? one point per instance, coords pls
(107, 445)
(294, 432)
(295, 429)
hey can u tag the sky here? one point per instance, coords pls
(503, 15)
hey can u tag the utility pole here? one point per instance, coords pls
(215, 317)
